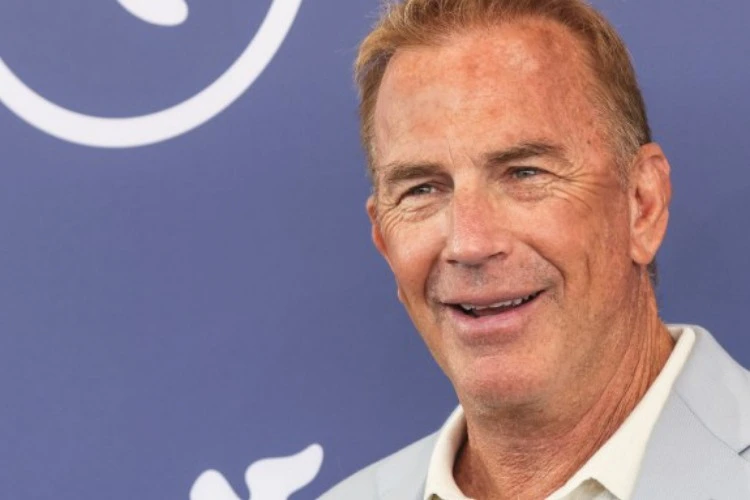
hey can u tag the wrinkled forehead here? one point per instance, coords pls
(531, 71)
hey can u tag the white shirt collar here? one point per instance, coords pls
(615, 465)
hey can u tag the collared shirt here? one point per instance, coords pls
(610, 474)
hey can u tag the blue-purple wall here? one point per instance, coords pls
(214, 299)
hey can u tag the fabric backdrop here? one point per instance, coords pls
(201, 298)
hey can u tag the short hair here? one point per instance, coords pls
(413, 23)
(429, 22)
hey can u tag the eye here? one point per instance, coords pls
(525, 172)
(419, 190)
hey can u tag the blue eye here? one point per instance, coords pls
(525, 172)
(422, 189)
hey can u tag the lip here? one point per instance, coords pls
(484, 300)
(499, 328)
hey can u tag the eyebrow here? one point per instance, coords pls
(400, 172)
(525, 151)
(395, 173)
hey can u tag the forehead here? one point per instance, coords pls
(519, 81)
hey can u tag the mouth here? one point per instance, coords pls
(481, 311)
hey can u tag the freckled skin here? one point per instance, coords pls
(566, 226)
(449, 105)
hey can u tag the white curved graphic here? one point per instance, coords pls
(147, 129)
(159, 12)
(269, 479)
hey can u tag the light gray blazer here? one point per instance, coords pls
(698, 450)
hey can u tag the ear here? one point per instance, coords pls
(650, 192)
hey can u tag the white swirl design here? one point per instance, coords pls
(269, 479)
(162, 125)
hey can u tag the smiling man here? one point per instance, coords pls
(520, 204)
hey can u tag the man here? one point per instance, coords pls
(520, 204)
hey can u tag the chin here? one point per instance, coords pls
(494, 382)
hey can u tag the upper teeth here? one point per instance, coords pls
(507, 303)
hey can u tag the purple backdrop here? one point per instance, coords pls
(214, 299)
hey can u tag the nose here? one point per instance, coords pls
(478, 229)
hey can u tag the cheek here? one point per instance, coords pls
(584, 243)
(413, 250)
(609, 236)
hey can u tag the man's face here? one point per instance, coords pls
(498, 207)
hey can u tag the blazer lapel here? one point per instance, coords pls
(685, 460)
(694, 449)
(404, 479)
(409, 489)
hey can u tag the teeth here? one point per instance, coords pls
(507, 303)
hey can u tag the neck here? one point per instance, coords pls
(531, 454)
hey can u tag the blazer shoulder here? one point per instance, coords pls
(717, 390)
(405, 470)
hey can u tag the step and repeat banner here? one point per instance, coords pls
(191, 306)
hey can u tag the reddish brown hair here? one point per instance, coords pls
(430, 22)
